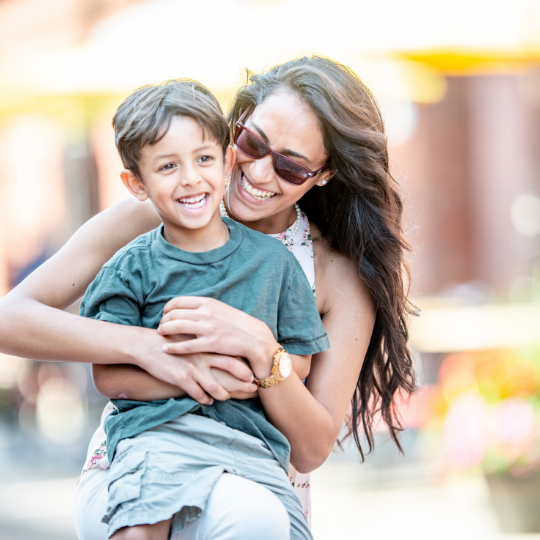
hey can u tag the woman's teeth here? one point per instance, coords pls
(193, 202)
(256, 193)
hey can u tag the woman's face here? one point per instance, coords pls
(291, 128)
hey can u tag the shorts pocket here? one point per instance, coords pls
(125, 481)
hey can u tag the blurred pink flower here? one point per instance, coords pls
(465, 430)
(512, 422)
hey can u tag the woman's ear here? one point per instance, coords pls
(230, 161)
(134, 185)
(326, 176)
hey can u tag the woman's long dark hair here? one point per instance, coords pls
(359, 214)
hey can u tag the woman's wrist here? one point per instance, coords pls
(142, 347)
(262, 360)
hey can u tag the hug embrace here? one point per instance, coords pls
(248, 304)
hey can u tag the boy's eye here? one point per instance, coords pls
(168, 167)
(205, 159)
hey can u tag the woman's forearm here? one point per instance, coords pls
(33, 330)
(307, 424)
(32, 321)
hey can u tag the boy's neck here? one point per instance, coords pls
(212, 236)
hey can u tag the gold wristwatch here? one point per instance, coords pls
(280, 370)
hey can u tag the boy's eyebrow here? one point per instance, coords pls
(204, 146)
(164, 156)
(173, 154)
(283, 151)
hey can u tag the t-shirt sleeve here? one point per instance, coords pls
(111, 297)
(300, 329)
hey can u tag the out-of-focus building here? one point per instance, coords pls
(473, 174)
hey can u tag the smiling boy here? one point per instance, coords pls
(167, 455)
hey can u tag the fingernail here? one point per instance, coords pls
(211, 402)
(159, 329)
(165, 348)
(252, 380)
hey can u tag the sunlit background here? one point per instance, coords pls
(459, 87)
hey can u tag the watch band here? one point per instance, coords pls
(275, 375)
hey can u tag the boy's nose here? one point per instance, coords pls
(190, 177)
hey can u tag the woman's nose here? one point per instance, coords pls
(262, 170)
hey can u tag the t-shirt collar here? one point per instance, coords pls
(203, 257)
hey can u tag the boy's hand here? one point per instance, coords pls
(231, 384)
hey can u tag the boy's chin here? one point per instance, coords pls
(196, 220)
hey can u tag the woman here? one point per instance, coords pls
(318, 113)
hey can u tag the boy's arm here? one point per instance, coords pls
(123, 381)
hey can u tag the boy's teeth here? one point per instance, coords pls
(258, 194)
(194, 202)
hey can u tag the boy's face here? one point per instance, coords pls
(183, 175)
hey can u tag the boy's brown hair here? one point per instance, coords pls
(146, 115)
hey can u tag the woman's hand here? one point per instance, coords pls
(190, 373)
(218, 328)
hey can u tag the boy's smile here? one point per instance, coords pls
(184, 176)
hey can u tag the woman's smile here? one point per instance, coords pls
(260, 195)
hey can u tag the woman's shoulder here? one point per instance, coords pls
(327, 258)
(335, 273)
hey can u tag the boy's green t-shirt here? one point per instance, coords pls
(252, 272)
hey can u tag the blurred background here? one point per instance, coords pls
(459, 86)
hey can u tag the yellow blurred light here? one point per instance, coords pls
(451, 329)
(60, 410)
(10, 367)
(474, 61)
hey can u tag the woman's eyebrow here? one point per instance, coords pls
(284, 150)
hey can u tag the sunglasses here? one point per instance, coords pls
(253, 146)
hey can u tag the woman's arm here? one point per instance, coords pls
(311, 418)
(33, 325)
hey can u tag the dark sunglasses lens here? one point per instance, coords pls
(250, 145)
(289, 171)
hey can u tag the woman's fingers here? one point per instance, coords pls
(186, 302)
(198, 345)
(183, 326)
(190, 386)
(173, 314)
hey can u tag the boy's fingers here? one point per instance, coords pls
(231, 383)
(212, 387)
(236, 367)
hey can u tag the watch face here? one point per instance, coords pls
(285, 365)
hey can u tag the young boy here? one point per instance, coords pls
(166, 456)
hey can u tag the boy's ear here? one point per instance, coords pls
(230, 161)
(133, 184)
